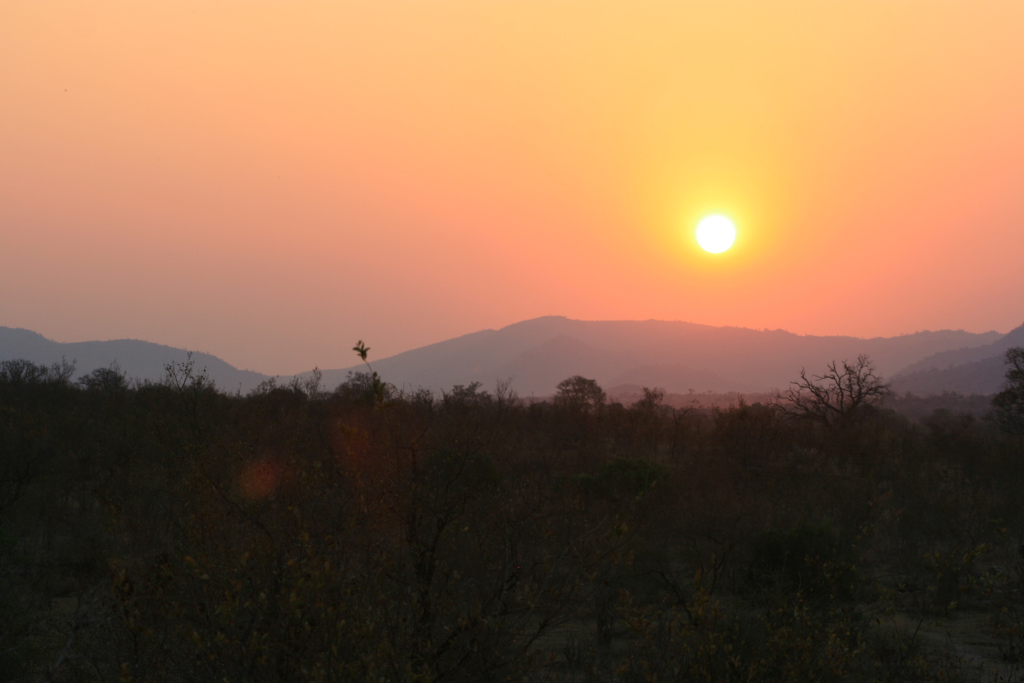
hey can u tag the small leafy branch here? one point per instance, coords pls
(379, 388)
(190, 386)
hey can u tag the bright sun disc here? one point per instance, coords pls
(716, 234)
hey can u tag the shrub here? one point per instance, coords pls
(811, 560)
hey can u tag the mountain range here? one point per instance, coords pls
(536, 354)
(976, 370)
(676, 356)
(137, 359)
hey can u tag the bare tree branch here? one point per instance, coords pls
(842, 393)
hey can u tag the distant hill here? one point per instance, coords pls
(980, 377)
(137, 359)
(677, 356)
(536, 354)
(978, 370)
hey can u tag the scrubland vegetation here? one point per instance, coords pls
(171, 532)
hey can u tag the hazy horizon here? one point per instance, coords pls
(348, 362)
(532, 356)
(271, 182)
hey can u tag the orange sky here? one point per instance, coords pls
(270, 181)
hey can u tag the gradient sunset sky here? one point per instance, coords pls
(270, 181)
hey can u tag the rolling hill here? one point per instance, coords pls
(138, 359)
(977, 370)
(677, 356)
(536, 354)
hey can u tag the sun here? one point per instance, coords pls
(716, 234)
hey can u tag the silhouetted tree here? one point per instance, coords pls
(651, 402)
(1009, 403)
(109, 380)
(359, 387)
(580, 393)
(19, 372)
(842, 393)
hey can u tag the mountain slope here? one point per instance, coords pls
(137, 359)
(978, 370)
(955, 357)
(537, 354)
(983, 377)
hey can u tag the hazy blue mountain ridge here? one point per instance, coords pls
(536, 354)
(978, 370)
(137, 359)
(980, 377)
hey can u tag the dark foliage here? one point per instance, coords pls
(1009, 403)
(171, 532)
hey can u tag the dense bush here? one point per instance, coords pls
(811, 561)
(173, 532)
